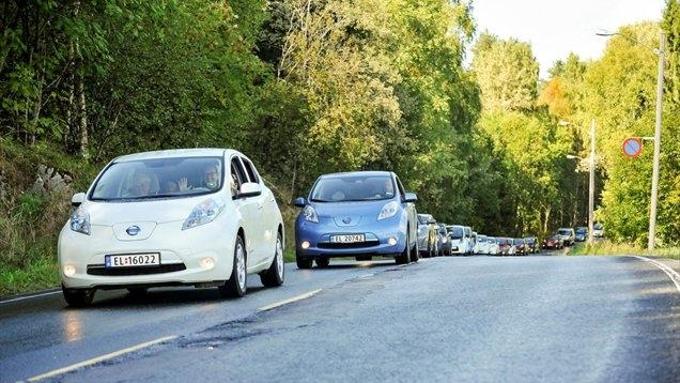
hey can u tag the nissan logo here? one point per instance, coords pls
(347, 220)
(133, 230)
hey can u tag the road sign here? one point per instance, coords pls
(632, 147)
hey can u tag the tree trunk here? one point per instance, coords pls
(82, 111)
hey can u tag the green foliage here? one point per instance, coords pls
(507, 73)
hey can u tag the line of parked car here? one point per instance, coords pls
(205, 217)
(441, 239)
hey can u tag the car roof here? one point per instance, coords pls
(358, 173)
(200, 152)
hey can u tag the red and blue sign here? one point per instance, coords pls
(632, 147)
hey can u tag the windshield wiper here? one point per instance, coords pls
(320, 200)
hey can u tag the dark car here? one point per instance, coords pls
(443, 240)
(504, 245)
(532, 245)
(554, 242)
(581, 234)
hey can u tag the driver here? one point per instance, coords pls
(141, 185)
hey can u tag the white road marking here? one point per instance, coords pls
(18, 299)
(672, 274)
(366, 276)
(98, 359)
(290, 300)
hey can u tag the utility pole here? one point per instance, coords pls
(657, 141)
(591, 184)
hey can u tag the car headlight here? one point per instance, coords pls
(80, 221)
(444, 240)
(204, 213)
(309, 213)
(389, 210)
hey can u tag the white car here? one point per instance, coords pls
(492, 246)
(481, 244)
(459, 244)
(199, 217)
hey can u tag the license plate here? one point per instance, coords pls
(132, 260)
(348, 238)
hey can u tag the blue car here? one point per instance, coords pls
(358, 214)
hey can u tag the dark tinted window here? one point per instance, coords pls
(250, 169)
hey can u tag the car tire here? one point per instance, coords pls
(303, 263)
(274, 275)
(78, 297)
(404, 257)
(236, 285)
(415, 255)
(322, 263)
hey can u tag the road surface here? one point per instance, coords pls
(486, 319)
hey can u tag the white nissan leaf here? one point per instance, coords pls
(200, 217)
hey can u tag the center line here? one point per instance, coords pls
(98, 359)
(290, 300)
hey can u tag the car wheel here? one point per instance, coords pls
(235, 286)
(274, 275)
(302, 263)
(415, 255)
(78, 297)
(405, 255)
(322, 262)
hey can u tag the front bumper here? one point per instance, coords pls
(181, 252)
(376, 244)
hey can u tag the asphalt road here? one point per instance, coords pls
(487, 319)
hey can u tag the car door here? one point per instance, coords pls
(265, 225)
(247, 207)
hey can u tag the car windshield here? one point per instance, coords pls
(353, 188)
(518, 241)
(159, 178)
(503, 241)
(598, 226)
(530, 240)
(581, 230)
(564, 232)
(456, 232)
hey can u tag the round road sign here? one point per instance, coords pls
(632, 147)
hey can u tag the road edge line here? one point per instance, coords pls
(672, 274)
(30, 296)
(98, 359)
(290, 300)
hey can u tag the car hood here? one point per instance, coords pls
(348, 214)
(140, 212)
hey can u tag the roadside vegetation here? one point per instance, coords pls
(306, 87)
(607, 247)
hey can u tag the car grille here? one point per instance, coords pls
(356, 245)
(135, 270)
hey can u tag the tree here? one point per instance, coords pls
(507, 73)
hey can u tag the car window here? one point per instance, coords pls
(250, 170)
(159, 178)
(400, 187)
(238, 176)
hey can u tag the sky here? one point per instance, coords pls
(557, 27)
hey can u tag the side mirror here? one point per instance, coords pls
(250, 189)
(431, 222)
(77, 199)
(410, 197)
(300, 202)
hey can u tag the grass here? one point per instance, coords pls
(42, 273)
(610, 248)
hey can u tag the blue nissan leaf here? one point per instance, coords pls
(358, 214)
